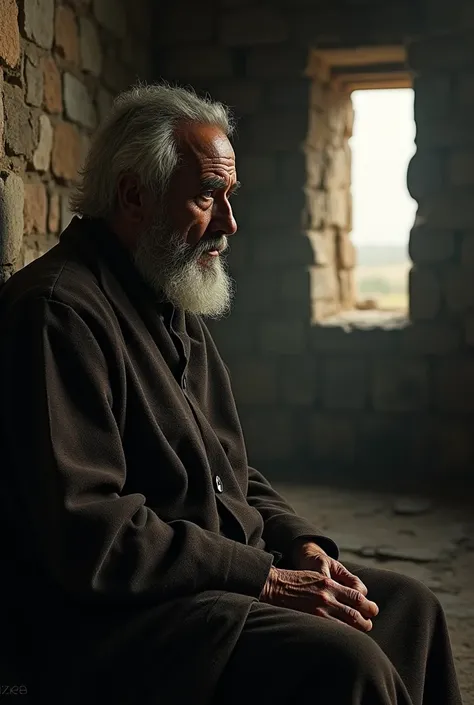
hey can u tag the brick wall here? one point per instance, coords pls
(60, 65)
(381, 404)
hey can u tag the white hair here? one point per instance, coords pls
(139, 137)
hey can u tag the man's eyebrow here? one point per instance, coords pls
(216, 182)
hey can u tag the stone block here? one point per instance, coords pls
(292, 168)
(324, 283)
(115, 74)
(287, 93)
(257, 171)
(453, 449)
(424, 293)
(425, 175)
(52, 97)
(181, 25)
(299, 384)
(38, 22)
(319, 135)
(135, 55)
(315, 166)
(139, 19)
(338, 175)
(454, 385)
(254, 380)
(450, 209)
(347, 293)
(442, 52)
(447, 133)
(317, 201)
(279, 248)
(458, 289)
(277, 131)
(433, 338)
(198, 63)
(35, 208)
(282, 336)
(433, 96)
(465, 90)
(239, 257)
(345, 383)
(318, 95)
(251, 26)
(34, 83)
(467, 249)
(9, 33)
(322, 309)
(400, 384)
(67, 151)
(270, 434)
(276, 62)
(235, 335)
(111, 15)
(323, 244)
(336, 338)
(270, 208)
(11, 218)
(295, 285)
(461, 166)
(242, 96)
(332, 439)
(430, 245)
(78, 103)
(90, 47)
(256, 292)
(66, 214)
(21, 131)
(42, 154)
(105, 100)
(346, 252)
(338, 208)
(382, 446)
(66, 35)
(54, 213)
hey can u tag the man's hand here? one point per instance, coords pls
(307, 555)
(312, 592)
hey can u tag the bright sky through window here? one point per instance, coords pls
(382, 146)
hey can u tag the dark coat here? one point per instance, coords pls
(141, 536)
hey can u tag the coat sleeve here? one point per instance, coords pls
(282, 525)
(69, 471)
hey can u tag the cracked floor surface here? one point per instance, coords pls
(423, 539)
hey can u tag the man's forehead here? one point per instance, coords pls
(205, 143)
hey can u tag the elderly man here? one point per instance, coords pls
(151, 565)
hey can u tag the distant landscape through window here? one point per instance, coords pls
(383, 211)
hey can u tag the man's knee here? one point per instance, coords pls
(387, 586)
(337, 650)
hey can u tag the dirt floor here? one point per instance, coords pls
(421, 538)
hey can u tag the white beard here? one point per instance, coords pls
(175, 269)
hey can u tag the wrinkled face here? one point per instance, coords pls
(180, 254)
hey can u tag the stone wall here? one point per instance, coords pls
(374, 403)
(384, 404)
(60, 65)
(329, 202)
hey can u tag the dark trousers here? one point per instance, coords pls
(283, 655)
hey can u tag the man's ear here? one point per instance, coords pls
(131, 198)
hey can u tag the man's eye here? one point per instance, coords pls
(207, 194)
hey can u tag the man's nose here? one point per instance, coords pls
(223, 219)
